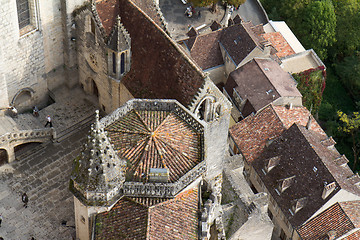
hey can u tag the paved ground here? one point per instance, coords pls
(251, 11)
(44, 176)
(179, 24)
(43, 171)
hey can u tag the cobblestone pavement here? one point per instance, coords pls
(178, 23)
(44, 176)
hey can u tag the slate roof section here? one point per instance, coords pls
(158, 65)
(295, 148)
(252, 133)
(155, 139)
(280, 44)
(332, 219)
(119, 39)
(261, 81)
(171, 219)
(205, 49)
(238, 42)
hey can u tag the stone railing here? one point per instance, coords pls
(138, 189)
(27, 136)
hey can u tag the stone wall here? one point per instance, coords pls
(32, 57)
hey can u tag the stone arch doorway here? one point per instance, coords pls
(95, 89)
(22, 148)
(4, 158)
(22, 97)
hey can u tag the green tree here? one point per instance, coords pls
(351, 125)
(318, 26)
(204, 3)
(349, 73)
(235, 3)
(347, 31)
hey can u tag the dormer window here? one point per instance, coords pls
(285, 183)
(273, 162)
(297, 205)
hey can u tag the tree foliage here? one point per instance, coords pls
(349, 73)
(318, 25)
(351, 125)
(347, 31)
(235, 3)
(203, 3)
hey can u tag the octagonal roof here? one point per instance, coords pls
(148, 137)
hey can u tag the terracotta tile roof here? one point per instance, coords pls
(281, 45)
(157, 64)
(301, 153)
(332, 219)
(175, 219)
(298, 115)
(352, 210)
(353, 236)
(108, 10)
(170, 219)
(261, 81)
(205, 49)
(252, 133)
(126, 220)
(155, 139)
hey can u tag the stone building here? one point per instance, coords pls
(146, 166)
(288, 156)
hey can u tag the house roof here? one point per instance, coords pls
(252, 133)
(296, 159)
(300, 115)
(282, 27)
(205, 49)
(338, 220)
(310, 158)
(280, 44)
(238, 42)
(352, 236)
(155, 139)
(158, 65)
(169, 219)
(261, 81)
(301, 61)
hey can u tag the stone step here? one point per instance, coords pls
(86, 122)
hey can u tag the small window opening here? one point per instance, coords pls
(92, 26)
(114, 62)
(122, 63)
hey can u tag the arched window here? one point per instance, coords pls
(23, 12)
(122, 63)
(92, 22)
(114, 62)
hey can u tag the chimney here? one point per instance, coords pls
(331, 235)
(328, 189)
(309, 122)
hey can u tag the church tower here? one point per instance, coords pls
(97, 178)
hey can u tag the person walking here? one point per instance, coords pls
(48, 121)
(0, 219)
(25, 199)
(35, 111)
